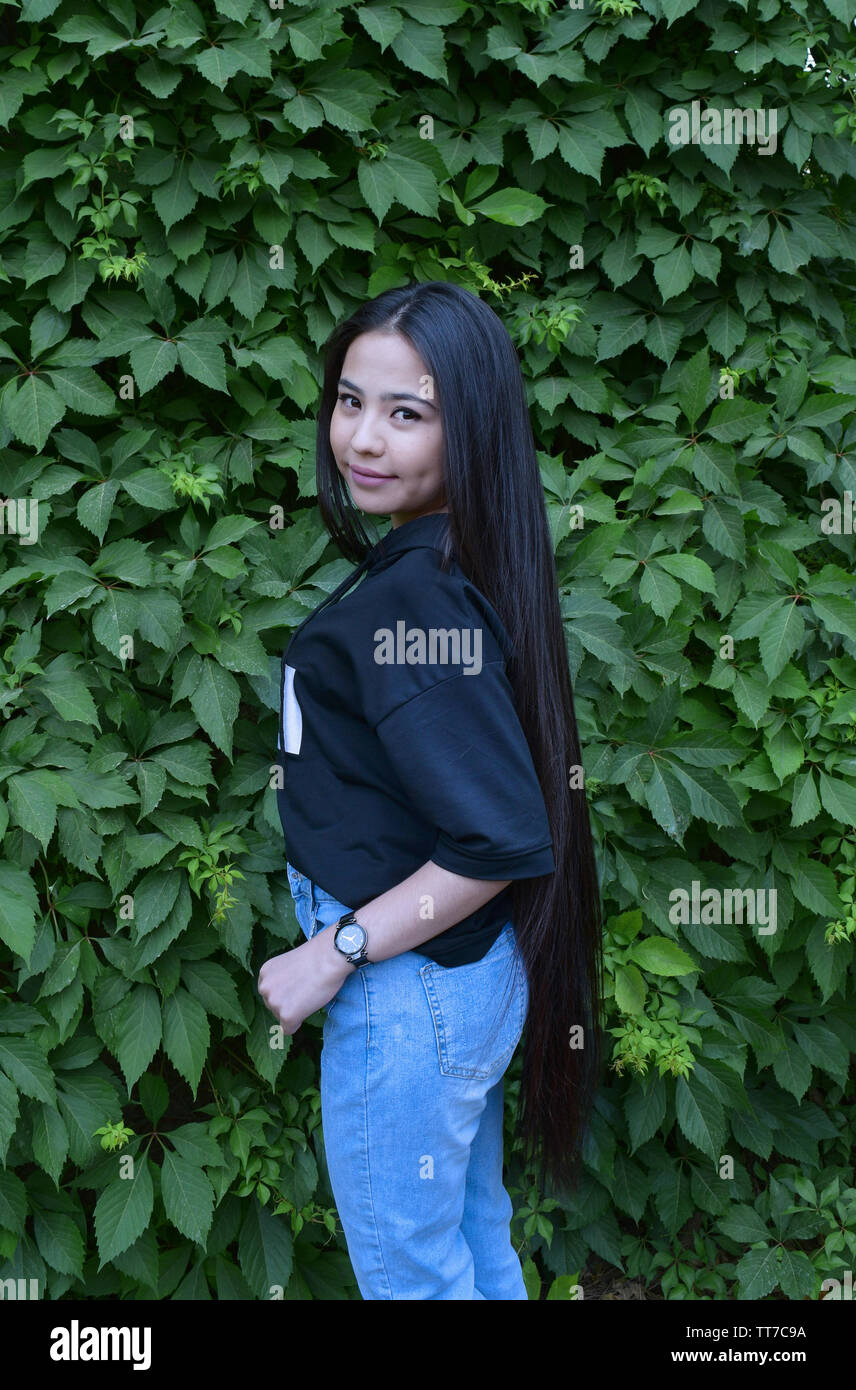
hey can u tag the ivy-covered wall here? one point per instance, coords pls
(658, 199)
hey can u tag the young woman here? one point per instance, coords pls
(439, 849)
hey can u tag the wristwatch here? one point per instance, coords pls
(350, 938)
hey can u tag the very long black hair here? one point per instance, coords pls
(498, 525)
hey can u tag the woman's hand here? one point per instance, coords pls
(298, 982)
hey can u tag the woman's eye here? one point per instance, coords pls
(344, 397)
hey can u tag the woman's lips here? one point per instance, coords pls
(369, 479)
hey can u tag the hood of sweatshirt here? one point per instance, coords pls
(423, 532)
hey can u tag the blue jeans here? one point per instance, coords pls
(412, 1067)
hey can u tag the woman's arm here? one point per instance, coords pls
(298, 982)
(421, 906)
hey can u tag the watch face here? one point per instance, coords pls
(351, 938)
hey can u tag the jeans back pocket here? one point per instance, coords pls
(479, 1009)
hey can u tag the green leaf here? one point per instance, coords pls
(680, 502)
(706, 258)
(661, 956)
(314, 240)
(619, 259)
(694, 386)
(188, 1197)
(137, 1032)
(825, 409)
(154, 897)
(265, 1250)
(588, 391)
(13, 89)
(726, 329)
(743, 1224)
(99, 37)
(792, 1070)
(381, 23)
(758, 1272)
(579, 152)
(44, 257)
(420, 48)
(350, 104)
(797, 1275)
(151, 361)
(701, 1117)
(412, 182)
(50, 1140)
(513, 207)
(785, 751)
(152, 784)
(160, 619)
(551, 391)
(779, 638)
(543, 137)
(32, 806)
(96, 506)
(186, 1035)
(249, 287)
(377, 186)
(82, 389)
(790, 389)
(645, 1108)
(217, 65)
(23, 1060)
(711, 797)
(151, 489)
(228, 529)
(805, 803)
(221, 277)
(126, 559)
(838, 798)
(123, 1211)
(618, 334)
(44, 164)
(630, 990)
(33, 410)
(186, 762)
(72, 284)
(158, 78)
(18, 908)
(48, 328)
(202, 359)
(674, 9)
(215, 704)
(59, 1242)
(659, 590)
(66, 691)
(837, 613)
(690, 569)
(787, 253)
(673, 273)
(664, 335)
(815, 887)
(667, 801)
(214, 988)
(643, 120)
(736, 419)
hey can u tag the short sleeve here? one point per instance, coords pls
(461, 755)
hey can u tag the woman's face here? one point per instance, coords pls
(385, 432)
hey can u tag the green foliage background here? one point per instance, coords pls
(167, 284)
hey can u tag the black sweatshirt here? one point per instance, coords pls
(399, 740)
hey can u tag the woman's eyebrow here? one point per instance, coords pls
(390, 395)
